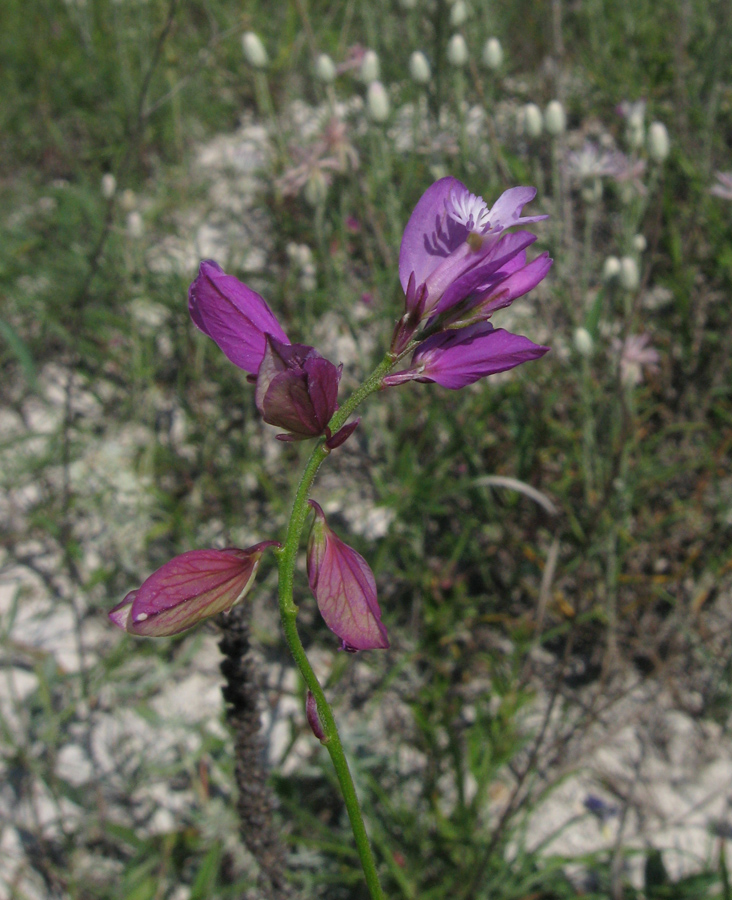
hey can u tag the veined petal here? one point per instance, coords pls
(193, 586)
(431, 235)
(233, 315)
(506, 211)
(494, 262)
(344, 588)
(515, 284)
(455, 359)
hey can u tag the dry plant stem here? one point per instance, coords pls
(288, 612)
(255, 804)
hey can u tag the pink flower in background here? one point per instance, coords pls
(344, 588)
(635, 356)
(723, 188)
(194, 586)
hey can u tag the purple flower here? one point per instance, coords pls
(344, 587)
(233, 315)
(194, 586)
(455, 359)
(452, 244)
(296, 389)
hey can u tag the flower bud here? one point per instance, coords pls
(377, 102)
(297, 389)
(325, 69)
(408, 4)
(629, 275)
(532, 121)
(639, 243)
(555, 119)
(254, 51)
(492, 54)
(109, 185)
(370, 67)
(610, 269)
(419, 67)
(583, 342)
(344, 588)
(316, 189)
(192, 587)
(135, 225)
(457, 51)
(459, 13)
(658, 142)
(311, 711)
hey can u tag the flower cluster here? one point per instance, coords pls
(458, 265)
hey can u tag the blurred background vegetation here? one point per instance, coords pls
(136, 139)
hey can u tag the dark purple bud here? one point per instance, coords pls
(342, 435)
(344, 587)
(193, 586)
(311, 711)
(233, 315)
(297, 389)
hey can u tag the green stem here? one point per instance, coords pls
(288, 612)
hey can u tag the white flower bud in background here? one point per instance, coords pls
(658, 142)
(254, 51)
(316, 189)
(492, 53)
(407, 4)
(128, 200)
(555, 119)
(457, 51)
(370, 67)
(109, 185)
(583, 342)
(419, 67)
(610, 268)
(531, 120)
(377, 102)
(135, 225)
(636, 135)
(629, 275)
(639, 243)
(325, 69)
(459, 13)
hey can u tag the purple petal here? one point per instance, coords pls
(193, 586)
(455, 359)
(497, 259)
(342, 435)
(344, 588)
(506, 211)
(233, 315)
(514, 285)
(430, 235)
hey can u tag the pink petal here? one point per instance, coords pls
(344, 588)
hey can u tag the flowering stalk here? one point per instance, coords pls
(288, 611)
(458, 265)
